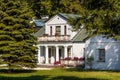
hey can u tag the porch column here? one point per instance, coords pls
(65, 52)
(71, 52)
(57, 53)
(46, 55)
(39, 54)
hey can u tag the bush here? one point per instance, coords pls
(67, 58)
(56, 62)
(76, 58)
(81, 59)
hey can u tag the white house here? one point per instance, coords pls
(57, 41)
(106, 53)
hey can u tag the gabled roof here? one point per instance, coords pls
(81, 36)
(66, 16)
(40, 32)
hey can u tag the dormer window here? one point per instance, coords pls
(58, 31)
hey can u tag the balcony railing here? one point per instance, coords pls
(54, 38)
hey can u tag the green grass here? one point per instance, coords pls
(61, 74)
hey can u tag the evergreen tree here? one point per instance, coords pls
(16, 41)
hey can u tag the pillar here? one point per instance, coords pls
(65, 52)
(39, 54)
(71, 52)
(46, 55)
(57, 53)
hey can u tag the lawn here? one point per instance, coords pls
(61, 74)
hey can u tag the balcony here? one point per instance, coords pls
(54, 38)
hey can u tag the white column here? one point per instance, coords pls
(39, 54)
(46, 55)
(65, 52)
(57, 53)
(71, 52)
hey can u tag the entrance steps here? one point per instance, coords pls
(48, 66)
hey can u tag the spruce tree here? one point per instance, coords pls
(16, 42)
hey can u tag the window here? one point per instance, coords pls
(51, 30)
(58, 31)
(101, 55)
(65, 28)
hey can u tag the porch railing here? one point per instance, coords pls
(54, 38)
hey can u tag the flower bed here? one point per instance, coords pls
(73, 62)
(57, 63)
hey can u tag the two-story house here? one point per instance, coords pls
(57, 41)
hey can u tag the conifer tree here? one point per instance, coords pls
(16, 42)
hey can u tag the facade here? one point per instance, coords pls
(57, 41)
(106, 53)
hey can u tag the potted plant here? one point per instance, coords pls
(89, 61)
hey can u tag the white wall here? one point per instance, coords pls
(78, 50)
(112, 53)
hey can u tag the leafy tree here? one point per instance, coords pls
(100, 17)
(16, 41)
(40, 7)
(70, 6)
(51, 7)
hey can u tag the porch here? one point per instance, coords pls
(49, 54)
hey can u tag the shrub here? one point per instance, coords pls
(56, 62)
(81, 59)
(76, 58)
(67, 58)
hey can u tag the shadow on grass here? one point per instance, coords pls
(24, 78)
(90, 70)
(73, 78)
(16, 71)
(75, 69)
(47, 78)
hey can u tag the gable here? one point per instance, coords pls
(57, 19)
